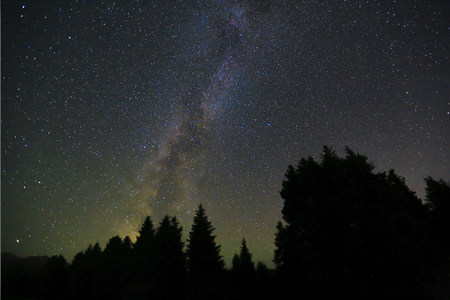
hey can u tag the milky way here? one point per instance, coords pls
(169, 179)
(115, 110)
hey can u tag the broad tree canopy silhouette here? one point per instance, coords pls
(438, 201)
(347, 228)
(53, 278)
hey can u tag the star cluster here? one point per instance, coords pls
(115, 110)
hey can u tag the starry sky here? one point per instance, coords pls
(115, 110)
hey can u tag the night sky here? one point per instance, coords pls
(115, 110)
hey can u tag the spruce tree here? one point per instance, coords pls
(243, 273)
(143, 253)
(113, 268)
(170, 263)
(204, 259)
(85, 274)
(145, 240)
(243, 263)
(127, 244)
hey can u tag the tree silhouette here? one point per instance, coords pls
(265, 283)
(145, 239)
(243, 272)
(128, 265)
(53, 278)
(170, 260)
(242, 264)
(205, 263)
(127, 244)
(204, 259)
(348, 231)
(114, 261)
(143, 258)
(261, 269)
(85, 274)
(438, 201)
(438, 204)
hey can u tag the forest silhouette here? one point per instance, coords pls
(347, 232)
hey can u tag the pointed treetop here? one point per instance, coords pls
(202, 251)
(144, 242)
(245, 256)
(147, 227)
(127, 242)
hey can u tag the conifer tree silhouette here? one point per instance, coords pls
(243, 264)
(204, 259)
(145, 241)
(85, 274)
(143, 254)
(205, 263)
(113, 268)
(243, 272)
(170, 263)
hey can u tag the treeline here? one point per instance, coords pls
(157, 265)
(347, 232)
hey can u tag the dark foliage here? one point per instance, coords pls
(205, 264)
(243, 265)
(243, 273)
(202, 251)
(85, 274)
(348, 232)
(141, 270)
(53, 278)
(438, 200)
(115, 263)
(170, 266)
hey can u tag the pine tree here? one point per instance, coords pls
(243, 273)
(169, 246)
(127, 244)
(170, 261)
(235, 263)
(85, 273)
(244, 264)
(128, 270)
(114, 250)
(145, 240)
(143, 253)
(203, 253)
(113, 268)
